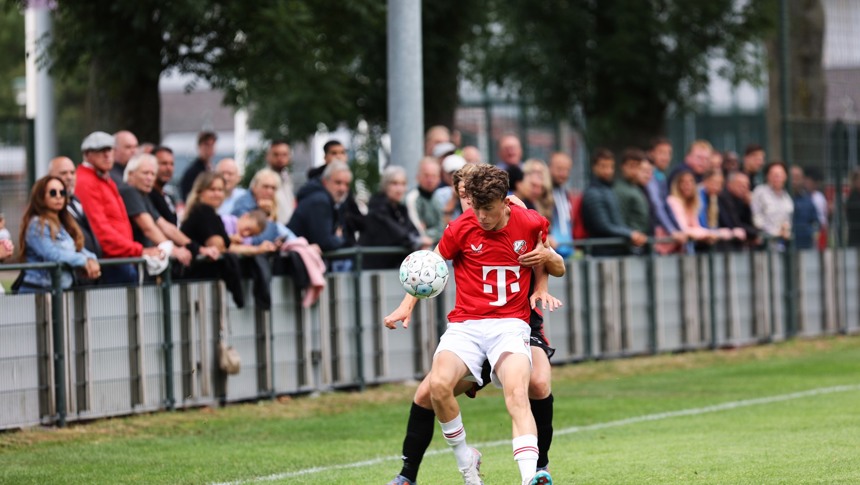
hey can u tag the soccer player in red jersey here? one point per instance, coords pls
(490, 317)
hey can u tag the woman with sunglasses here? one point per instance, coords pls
(50, 234)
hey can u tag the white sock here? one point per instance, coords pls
(455, 436)
(526, 454)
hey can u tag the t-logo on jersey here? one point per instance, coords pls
(501, 285)
(490, 281)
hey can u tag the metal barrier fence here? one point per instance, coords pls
(95, 352)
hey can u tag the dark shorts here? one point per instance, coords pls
(538, 339)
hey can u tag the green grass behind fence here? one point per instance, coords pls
(773, 414)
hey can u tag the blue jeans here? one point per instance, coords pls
(122, 274)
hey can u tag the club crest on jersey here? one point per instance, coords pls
(520, 247)
(477, 249)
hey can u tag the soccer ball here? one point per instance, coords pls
(423, 274)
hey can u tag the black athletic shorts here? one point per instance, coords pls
(538, 339)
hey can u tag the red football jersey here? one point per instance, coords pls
(490, 281)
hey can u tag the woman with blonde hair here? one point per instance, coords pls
(685, 203)
(539, 186)
(204, 226)
(262, 194)
(50, 234)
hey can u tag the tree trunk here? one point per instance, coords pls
(628, 107)
(447, 26)
(134, 106)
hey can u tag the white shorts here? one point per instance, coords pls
(474, 341)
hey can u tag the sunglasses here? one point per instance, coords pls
(55, 193)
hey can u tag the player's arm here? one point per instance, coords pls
(149, 228)
(543, 255)
(555, 264)
(404, 312)
(541, 291)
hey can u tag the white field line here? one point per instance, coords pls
(575, 429)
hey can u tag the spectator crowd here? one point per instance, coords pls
(119, 203)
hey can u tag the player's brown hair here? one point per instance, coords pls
(486, 184)
(462, 174)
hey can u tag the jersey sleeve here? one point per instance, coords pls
(537, 223)
(544, 227)
(449, 243)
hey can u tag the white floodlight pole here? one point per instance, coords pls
(405, 85)
(40, 85)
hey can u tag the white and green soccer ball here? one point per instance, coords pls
(423, 274)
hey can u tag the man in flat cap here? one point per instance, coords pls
(106, 210)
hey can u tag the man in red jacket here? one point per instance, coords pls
(106, 211)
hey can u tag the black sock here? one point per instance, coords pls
(542, 411)
(419, 433)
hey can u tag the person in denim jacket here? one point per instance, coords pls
(50, 234)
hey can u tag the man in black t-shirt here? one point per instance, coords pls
(162, 194)
(332, 150)
(148, 226)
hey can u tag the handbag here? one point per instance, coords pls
(228, 357)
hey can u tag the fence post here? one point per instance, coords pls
(570, 309)
(167, 344)
(586, 302)
(790, 293)
(59, 343)
(839, 155)
(270, 323)
(770, 291)
(651, 275)
(712, 305)
(359, 347)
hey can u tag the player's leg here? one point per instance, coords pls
(541, 402)
(419, 431)
(419, 434)
(513, 371)
(509, 351)
(448, 369)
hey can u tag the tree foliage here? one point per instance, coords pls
(624, 63)
(11, 64)
(297, 65)
(302, 64)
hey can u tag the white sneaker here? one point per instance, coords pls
(472, 473)
(540, 478)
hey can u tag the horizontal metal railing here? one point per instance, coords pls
(602, 318)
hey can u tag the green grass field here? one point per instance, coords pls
(787, 413)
